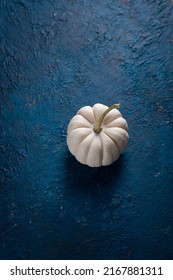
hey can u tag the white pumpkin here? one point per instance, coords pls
(97, 135)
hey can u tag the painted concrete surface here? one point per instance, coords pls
(56, 57)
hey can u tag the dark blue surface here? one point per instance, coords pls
(56, 57)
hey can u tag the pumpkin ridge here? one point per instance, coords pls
(113, 126)
(95, 109)
(102, 149)
(88, 128)
(81, 127)
(114, 142)
(94, 115)
(85, 117)
(114, 117)
(80, 147)
(89, 150)
(83, 137)
(117, 128)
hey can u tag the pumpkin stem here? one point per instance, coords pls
(97, 127)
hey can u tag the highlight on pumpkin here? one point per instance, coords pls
(97, 127)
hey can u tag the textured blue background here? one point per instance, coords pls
(58, 56)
